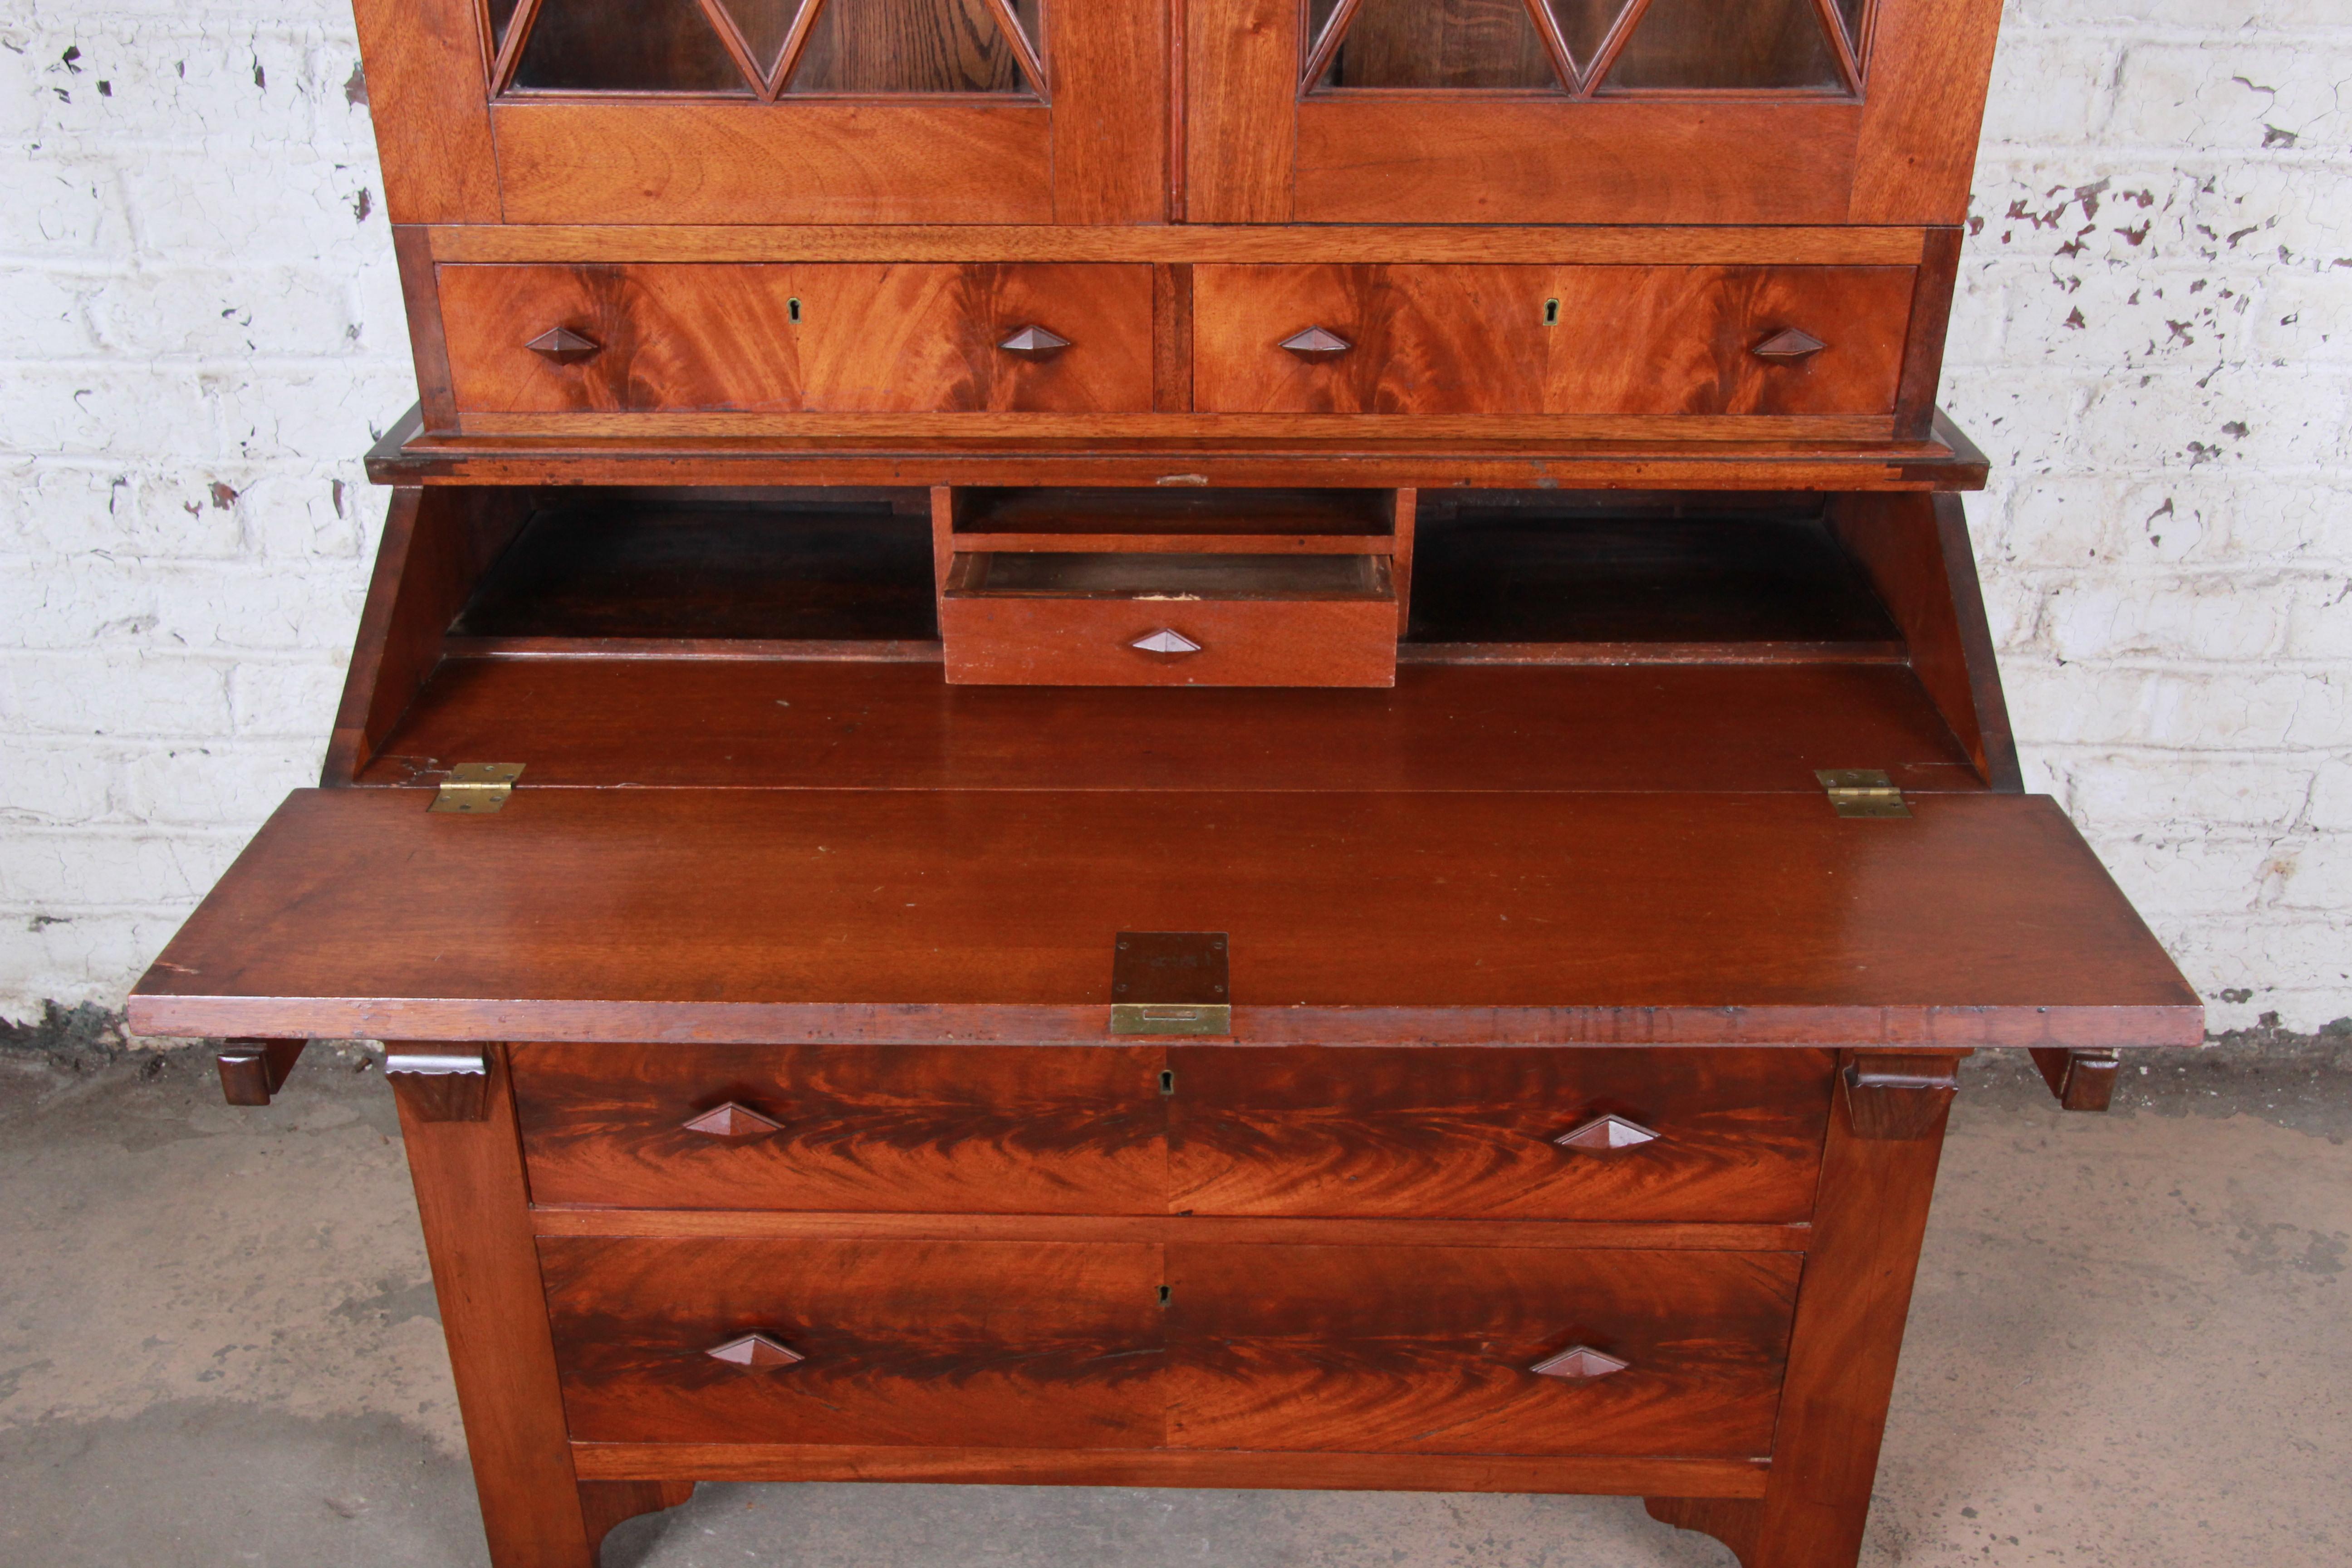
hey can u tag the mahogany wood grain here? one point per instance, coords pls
(1402, 1132)
(980, 916)
(1159, 1229)
(836, 337)
(427, 90)
(1039, 1131)
(1014, 429)
(1404, 511)
(435, 548)
(1500, 727)
(472, 1198)
(801, 161)
(1868, 1222)
(1172, 338)
(420, 294)
(1034, 1344)
(1931, 316)
(1916, 551)
(1371, 1349)
(1111, 110)
(1432, 340)
(1173, 1467)
(1007, 638)
(1241, 124)
(1929, 63)
(1718, 245)
(1447, 158)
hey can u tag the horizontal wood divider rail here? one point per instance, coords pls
(1659, 245)
(1170, 1468)
(1694, 428)
(769, 1225)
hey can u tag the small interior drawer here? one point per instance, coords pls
(1419, 339)
(836, 338)
(1148, 619)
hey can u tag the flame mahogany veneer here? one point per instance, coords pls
(935, 486)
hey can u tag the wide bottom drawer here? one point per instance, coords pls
(1571, 1352)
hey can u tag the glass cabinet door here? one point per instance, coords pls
(806, 110)
(1581, 110)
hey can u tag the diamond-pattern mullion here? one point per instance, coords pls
(1440, 44)
(641, 46)
(1584, 28)
(509, 37)
(858, 47)
(760, 34)
(731, 39)
(1729, 45)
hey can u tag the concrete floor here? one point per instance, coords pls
(2132, 1345)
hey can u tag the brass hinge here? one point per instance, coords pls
(477, 788)
(1862, 792)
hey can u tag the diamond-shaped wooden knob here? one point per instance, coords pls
(1578, 1363)
(1315, 343)
(563, 346)
(1035, 343)
(732, 1119)
(1604, 1133)
(757, 1351)
(1166, 640)
(1790, 344)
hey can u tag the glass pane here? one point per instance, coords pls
(626, 45)
(763, 24)
(501, 13)
(1728, 44)
(1850, 13)
(906, 46)
(1441, 43)
(1584, 23)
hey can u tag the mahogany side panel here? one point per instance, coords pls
(428, 96)
(823, 338)
(1365, 158)
(1923, 108)
(420, 294)
(1442, 340)
(1111, 92)
(1923, 349)
(636, 160)
(1917, 551)
(1028, 1345)
(1048, 1129)
(1407, 1132)
(1241, 80)
(436, 544)
(1867, 1225)
(1430, 1350)
(475, 1204)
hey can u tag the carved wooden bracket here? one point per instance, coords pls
(1315, 343)
(755, 1350)
(732, 1119)
(2083, 1080)
(440, 1083)
(1606, 1134)
(1898, 1097)
(252, 1070)
(562, 345)
(1579, 1363)
(1035, 343)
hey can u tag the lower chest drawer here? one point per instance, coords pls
(1466, 339)
(839, 338)
(1435, 1350)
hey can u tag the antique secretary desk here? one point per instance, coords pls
(1196, 743)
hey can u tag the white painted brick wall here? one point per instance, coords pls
(200, 331)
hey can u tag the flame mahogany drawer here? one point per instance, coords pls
(1436, 1350)
(838, 338)
(909, 1129)
(1470, 339)
(989, 1344)
(1214, 621)
(1454, 1134)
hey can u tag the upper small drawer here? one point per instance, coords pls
(867, 337)
(1444, 339)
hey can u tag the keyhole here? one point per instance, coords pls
(1163, 1295)
(1551, 313)
(793, 310)
(1168, 1081)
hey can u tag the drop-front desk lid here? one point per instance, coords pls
(756, 915)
